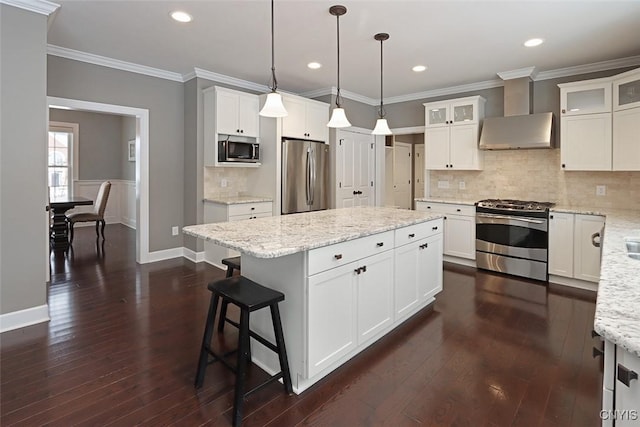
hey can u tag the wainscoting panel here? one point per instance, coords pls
(121, 205)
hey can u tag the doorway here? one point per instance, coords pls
(141, 164)
(405, 174)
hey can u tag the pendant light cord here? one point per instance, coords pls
(381, 112)
(339, 95)
(274, 81)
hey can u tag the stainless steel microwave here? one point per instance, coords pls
(238, 151)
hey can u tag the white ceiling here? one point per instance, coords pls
(460, 41)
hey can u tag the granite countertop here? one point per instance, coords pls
(449, 201)
(582, 210)
(617, 316)
(277, 236)
(237, 200)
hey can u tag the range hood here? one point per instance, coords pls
(518, 128)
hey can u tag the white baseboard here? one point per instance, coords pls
(574, 283)
(165, 254)
(460, 261)
(193, 256)
(22, 318)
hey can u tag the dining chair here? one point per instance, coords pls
(97, 215)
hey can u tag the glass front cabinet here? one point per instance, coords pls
(464, 111)
(626, 90)
(590, 97)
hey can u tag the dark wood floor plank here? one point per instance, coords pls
(123, 341)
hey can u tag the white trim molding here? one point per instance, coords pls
(166, 254)
(222, 78)
(408, 130)
(22, 318)
(631, 61)
(104, 61)
(516, 74)
(192, 255)
(42, 7)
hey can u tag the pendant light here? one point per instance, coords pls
(273, 106)
(338, 117)
(382, 128)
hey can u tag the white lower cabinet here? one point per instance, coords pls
(574, 246)
(459, 227)
(374, 286)
(620, 387)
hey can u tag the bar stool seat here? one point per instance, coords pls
(249, 296)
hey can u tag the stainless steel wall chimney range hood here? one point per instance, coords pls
(518, 128)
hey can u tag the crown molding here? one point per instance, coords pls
(345, 94)
(42, 7)
(320, 92)
(519, 73)
(589, 68)
(222, 78)
(90, 58)
(452, 90)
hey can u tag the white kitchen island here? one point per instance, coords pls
(349, 277)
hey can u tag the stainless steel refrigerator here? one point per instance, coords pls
(305, 176)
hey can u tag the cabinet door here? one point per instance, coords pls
(248, 117)
(437, 115)
(463, 112)
(586, 98)
(627, 397)
(626, 140)
(227, 110)
(418, 170)
(293, 125)
(436, 145)
(586, 142)
(375, 295)
(364, 169)
(626, 91)
(586, 257)
(346, 154)
(429, 267)
(463, 147)
(460, 236)
(406, 280)
(317, 117)
(561, 244)
(332, 313)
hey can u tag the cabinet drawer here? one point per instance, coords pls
(249, 208)
(332, 256)
(249, 216)
(416, 232)
(447, 208)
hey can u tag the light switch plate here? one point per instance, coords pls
(462, 185)
(443, 184)
(601, 190)
(223, 182)
(174, 231)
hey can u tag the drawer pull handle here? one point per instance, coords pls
(434, 228)
(428, 207)
(424, 246)
(626, 375)
(458, 210)
(380, 244)
(253, 208)
(362, 269)
(338, 256)
(411, 236)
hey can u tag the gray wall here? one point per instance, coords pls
(165, 101)
(23, 194)
(100, 148)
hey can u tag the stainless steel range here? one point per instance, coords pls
(512, 237)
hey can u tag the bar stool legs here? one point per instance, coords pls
(206, 340)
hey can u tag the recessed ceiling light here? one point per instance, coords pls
(314, 65)
(180, 16)
(533, 42)
(419, 68)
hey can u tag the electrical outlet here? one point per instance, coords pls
(443, 184)
(174, 230)
(462, 185)
(223, 183)
(601, 190)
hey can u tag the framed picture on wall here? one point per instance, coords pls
(132, 150)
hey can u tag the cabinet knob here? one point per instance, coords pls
(237, 130)
(450, 166)
(595, 236)
(550, 216)
(358, 270)
(338, 256)
(625, 375)
(563, 165)
(241, 130)
(596, 352)
(564, 111)
(411, 236)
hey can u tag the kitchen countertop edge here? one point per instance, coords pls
(237, 200)
(447, 201)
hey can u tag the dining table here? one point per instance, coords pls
(59, 232)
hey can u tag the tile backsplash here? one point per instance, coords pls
(536, 175)
(236, 179)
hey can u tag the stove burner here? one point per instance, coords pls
(515, 204)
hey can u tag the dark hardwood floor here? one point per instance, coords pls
(122, 346)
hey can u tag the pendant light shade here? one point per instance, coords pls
(273, 106)
(382, 127)
(338, 116)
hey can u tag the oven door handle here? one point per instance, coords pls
(516, 218)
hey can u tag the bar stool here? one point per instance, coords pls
(232, 264)
(249, 296)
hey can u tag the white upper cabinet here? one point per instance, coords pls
(626, 90)
(586, 97)
(237, 113)
(306, 119)
(451, 134)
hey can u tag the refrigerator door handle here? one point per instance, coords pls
(312, 185)
(308, 177)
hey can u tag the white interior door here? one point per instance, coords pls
(364, 176)
(418, 171)
(402, 175)
(355, 157)
(388, 177)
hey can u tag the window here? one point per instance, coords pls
(62, 137)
